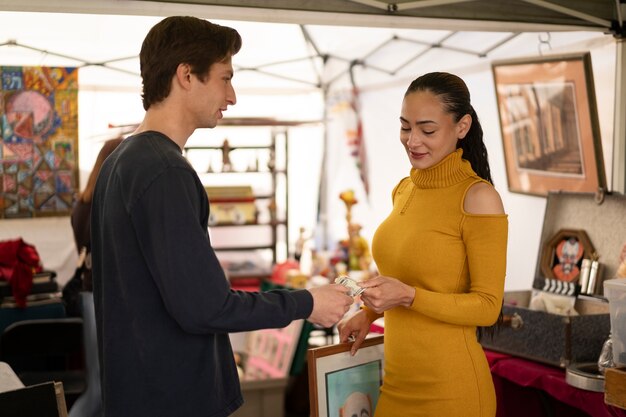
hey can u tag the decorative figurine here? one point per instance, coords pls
(252, 166)
(349, 200)
(271, 206)
(226, 164)
(358, 253)
(299, 246)
(271, 163)
(359, 256)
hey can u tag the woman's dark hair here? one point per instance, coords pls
(179, 40)
(455, 97)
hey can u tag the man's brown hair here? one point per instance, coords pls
(182, 40)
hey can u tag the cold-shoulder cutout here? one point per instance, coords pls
(482, 198)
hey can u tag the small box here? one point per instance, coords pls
(615, 292)
(231, 205)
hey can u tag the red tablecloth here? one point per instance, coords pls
(527, 388)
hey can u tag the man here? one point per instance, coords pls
(163, 304)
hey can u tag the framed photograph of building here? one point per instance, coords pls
(345, 385)
(549, 124)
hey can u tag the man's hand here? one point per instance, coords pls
(330, 304)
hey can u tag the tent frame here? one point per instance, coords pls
(383, 14)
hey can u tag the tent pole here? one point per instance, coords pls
(619, 122)
(322, 211)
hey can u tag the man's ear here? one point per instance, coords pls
(463, 126)
(340, 411)
(183, 76)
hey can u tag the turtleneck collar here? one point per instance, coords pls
(451, 170)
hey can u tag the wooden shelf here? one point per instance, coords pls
(271, 184)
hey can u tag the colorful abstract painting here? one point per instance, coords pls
(39, 147)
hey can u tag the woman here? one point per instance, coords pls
(441, 254)
(81, 212)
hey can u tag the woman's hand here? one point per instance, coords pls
(384, 293)
(357, 327)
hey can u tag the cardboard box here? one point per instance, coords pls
(231, 205)
(263, 398)
(552, 338)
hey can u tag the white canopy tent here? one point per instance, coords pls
(305, 59)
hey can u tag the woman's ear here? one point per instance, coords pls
(463, 126)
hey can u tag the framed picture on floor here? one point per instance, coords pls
(549, 124)
(342, 385)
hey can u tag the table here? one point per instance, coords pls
(528, 388)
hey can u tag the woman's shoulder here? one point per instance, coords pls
(400, 187)
(482, 198)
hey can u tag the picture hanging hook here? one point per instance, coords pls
(544, 42)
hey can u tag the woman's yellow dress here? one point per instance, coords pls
(434, 365)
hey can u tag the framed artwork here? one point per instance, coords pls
(549, 124)
(270, 352)
(562, 255)
(39, 140)
(342, 385)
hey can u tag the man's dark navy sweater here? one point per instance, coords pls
(164, 307)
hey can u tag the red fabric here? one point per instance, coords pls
(18, 262)
(246, 284)
(538, 379)
(279, 272)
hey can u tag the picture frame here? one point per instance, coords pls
(562, 255)
(338, 380)
(549, 124)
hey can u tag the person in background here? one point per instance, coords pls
(163, 304)
(77, 296)
(81, 212)
(441, 255)
(80, 220)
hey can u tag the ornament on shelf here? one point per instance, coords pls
(271, 163)
(356, 247)
(226, 164)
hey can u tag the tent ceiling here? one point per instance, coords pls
(104, 35)
(512, 18)
(275, 57)
(482, 15)
(603, 15)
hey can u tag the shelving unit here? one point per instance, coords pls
(255, 161)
